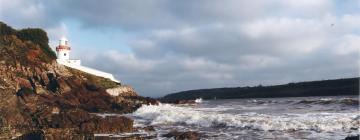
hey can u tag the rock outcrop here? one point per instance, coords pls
(189, 135)
(124, 91)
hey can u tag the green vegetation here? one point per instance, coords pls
(106, 83)
(349, 86)
(37, 36)
(100, 81)
(17, 40)
(6, 30)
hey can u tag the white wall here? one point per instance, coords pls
(74, 61)
(88, 70)
(63, 54)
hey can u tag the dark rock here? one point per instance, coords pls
(306, 102)
(59, 85)
(85, 122)
(24, 93)
(146, 128)
(44, 79)
(114, 125)
(103, 138)
(189, 135)
(67, 134)
(326, 102)
(69, 119)
(132, 137)
(89, 126)
(350, 102)
(24, 83)
(91, 87)
(186, 102)
(131, 103)
(357, 137)
(34, 135)
(178, 101)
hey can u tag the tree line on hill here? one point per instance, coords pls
(336, 87)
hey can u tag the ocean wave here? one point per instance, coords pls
(166, 114)
(325, 101)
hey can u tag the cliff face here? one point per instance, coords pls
(40, 98)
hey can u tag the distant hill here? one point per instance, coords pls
(348, 86)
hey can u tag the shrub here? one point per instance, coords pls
(37, 36)
(6, 30)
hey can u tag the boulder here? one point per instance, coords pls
(44, 78)
(146, 128)
(355, 137)
(350, 102)
(69, 119)
(123, 91)
(67, 134)
(60, 85)
(189, 135)
(114, 125)
(131, 137)
(34, 135)
(24, 83)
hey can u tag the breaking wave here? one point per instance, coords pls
(166, 114)
(346, 101)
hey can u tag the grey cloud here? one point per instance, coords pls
(225, 43)
(181, 45)
(297, 50)
(155, 14)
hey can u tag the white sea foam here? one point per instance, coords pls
(325, 99)
(320, 122)
(199, 100)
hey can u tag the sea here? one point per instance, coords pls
(328, 118)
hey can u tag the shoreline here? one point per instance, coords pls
(188, 113)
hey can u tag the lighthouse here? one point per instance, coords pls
(63, 50)
(63, 58)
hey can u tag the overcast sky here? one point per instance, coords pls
(165, 46)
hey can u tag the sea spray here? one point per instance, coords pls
(171, 114)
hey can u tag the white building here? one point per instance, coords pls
(63, 57)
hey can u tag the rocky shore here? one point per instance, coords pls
(60, 107)
(40, 99)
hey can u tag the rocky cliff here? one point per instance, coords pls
(40, 99)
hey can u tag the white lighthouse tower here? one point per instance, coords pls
(63, 50)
